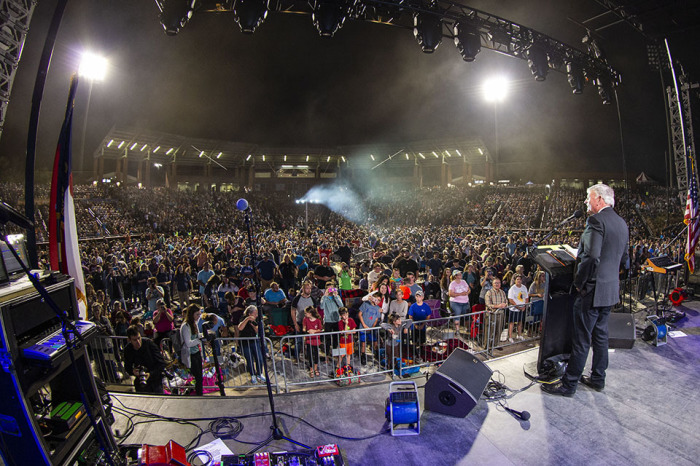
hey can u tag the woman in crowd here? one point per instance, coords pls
(459, 297)
(164, 278)
(183, 285)
(163, 321)
(191, 351)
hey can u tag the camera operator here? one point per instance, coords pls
(141, 355)
(210, 322)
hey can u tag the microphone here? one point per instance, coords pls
(576, 214)
(242, 205)
(9, 214)
(522, 415)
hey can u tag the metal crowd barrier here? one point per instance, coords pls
(374, 354)
(526, 325)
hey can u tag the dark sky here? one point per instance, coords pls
(285, 85)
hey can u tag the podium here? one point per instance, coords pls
(559, 264)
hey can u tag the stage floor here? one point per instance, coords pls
(645, 416)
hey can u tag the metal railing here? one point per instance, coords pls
(305, 361)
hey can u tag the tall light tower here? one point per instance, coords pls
(495, 90)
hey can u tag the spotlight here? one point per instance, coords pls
(249, 14)
(537, 60)
(576, 78)
(604, 89)
(428, 30)
(467, 40)
(328, 16)
(175, 14)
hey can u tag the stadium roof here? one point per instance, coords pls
(166, 148)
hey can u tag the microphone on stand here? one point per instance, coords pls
(242, 205)
(522, 415)
(576, 214)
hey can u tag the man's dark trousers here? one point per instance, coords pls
(590, 330)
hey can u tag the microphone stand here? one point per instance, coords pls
(276, 433)
(68, 329)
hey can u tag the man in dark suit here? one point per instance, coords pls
(601, 253)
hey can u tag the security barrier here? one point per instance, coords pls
(330, 358)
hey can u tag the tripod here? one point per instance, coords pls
(276, 433)
(211, 338)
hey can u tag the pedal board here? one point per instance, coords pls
(324, 455)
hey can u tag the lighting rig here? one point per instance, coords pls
(431, 21)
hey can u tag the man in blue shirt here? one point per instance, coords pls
(266, 269)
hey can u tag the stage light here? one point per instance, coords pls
(250, 14)
(201, 153)
(406, 156)
(263, 157)
(436, 156)
(285, 158)
(144, 147)
(575, 76)
(537, 60)
(421, 155)
(248, 158)
(218, 156)
(307, 158)
(133, 145)
(458, 153)
(372, 156)
(427, 27)
(342, 158)
(481, 151)
(328, 159)
(328, 16)
(111, 141)
(448, 153)
(175, 14)
(604, 89)
(170, 151)
(467, 40)
(156, 149)
(121, 144)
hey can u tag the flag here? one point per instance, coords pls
(64, 253)
(691, 218)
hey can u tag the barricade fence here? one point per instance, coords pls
(297, 361)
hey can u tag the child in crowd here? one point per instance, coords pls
(346, 340)
(136, 322)
(312, 324)
(149, 330)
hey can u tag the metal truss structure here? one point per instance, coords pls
(15, 16)
(680, 118)
(498, 34)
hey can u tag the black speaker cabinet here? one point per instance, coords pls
(621, 330)
(457, 385)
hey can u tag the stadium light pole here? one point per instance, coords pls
(495, 90)
(94, 68)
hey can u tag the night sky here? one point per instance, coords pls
(286, 86)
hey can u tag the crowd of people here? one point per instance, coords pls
(175, 260)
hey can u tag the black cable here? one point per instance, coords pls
(195, 454)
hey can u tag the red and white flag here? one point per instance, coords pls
(63, 234)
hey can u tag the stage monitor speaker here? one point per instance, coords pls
(621, 330)
(457, 385)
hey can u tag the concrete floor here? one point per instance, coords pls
(646, 415)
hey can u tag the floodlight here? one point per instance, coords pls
(92, 66)
(175, 14)
(575, 76)
(427, 27)
(495, 89)
(467, 41)
(328, 16)
(250, 14)
(537, 60)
